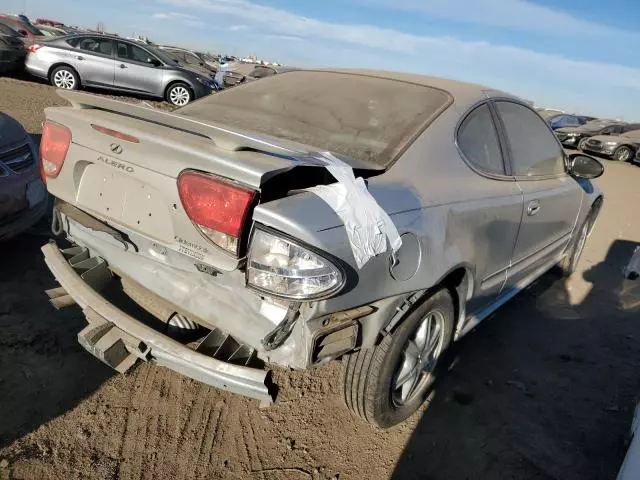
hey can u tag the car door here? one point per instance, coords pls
(552, 198)
(495, 216)
(93, 59)
(138, 70)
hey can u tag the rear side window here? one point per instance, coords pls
(478, 141)
(100, 46)
(534, 148)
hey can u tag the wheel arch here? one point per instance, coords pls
(63, 64)
(176, 81)
(630, 146)
(459, 281)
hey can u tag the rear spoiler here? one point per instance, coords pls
(220, 136)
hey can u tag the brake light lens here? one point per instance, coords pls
(115, 134)
(34, 48)
(53, 149)
(219, 208)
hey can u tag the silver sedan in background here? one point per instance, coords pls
(113, 63)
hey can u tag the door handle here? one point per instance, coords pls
(122, 65)
(533, 208)
(80, 58)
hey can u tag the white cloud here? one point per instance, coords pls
(513, 14)
(173, 16)
(539, 76)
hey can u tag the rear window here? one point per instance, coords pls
(365, 118)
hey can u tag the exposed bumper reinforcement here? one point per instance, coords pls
(119, 339)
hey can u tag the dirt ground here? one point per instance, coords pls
(543, 390)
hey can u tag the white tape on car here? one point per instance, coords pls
(368, 226)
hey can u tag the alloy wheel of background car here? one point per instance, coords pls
(582, 144)
(373, 378)
(179, 95)
(622, 154)
(64, 77)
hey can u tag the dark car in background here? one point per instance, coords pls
(189, 59)
(622, 147)
(114, 63)
(23, 198)
(12, 49)
(575, 137)
(560, 120)
(29, 32)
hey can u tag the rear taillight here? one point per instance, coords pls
(219, 208)
(34, 48)
(53, 149)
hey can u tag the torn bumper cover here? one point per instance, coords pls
(119, 340)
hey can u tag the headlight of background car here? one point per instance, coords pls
(572, 134)
(278, 266)
(611, 144)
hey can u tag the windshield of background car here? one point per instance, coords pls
(163, 56)
(31, 29)
(596, 125)
(635, 134)
(8, 31)
(366, 118)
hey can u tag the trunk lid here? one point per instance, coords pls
(132, 185)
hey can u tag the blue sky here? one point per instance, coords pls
(579, 55)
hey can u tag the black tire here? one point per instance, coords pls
(623, 154)
(569, 263)
(179, 94)
(65, 77)
(368, 375)
(582, 144)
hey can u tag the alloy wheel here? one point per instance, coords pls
(418, 359)
(623, 154)
(64, 79)
(179, 96)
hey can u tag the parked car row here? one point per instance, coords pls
(610, 138)
(71, 59)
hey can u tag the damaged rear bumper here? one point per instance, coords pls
(119, 340)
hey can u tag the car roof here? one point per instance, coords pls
(178, 49)
(462, 92)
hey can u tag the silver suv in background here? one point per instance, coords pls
(114, 63)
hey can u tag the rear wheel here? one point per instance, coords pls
(179, 94)
(65, 77)
(623, 154)
(387, 383)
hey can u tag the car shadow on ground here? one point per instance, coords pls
(44, 372)
(543, 390)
